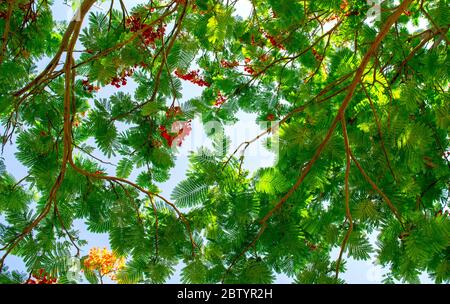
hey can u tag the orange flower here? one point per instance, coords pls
(104, 261)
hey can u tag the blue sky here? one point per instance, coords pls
(246, 128)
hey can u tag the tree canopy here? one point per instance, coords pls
(359, 104)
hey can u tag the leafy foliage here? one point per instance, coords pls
(360, 107)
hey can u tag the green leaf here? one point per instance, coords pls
(271, 181)
(189, 193)
(124, 168)
(150, 108)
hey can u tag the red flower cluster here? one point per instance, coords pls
(253, 41)
(248, 68)
(192, 77)
(179, 131)
(311, 246)
(87, 86)
(166, 135)
(134, 23)
(173, 111)
(317, 55)
(220, 100)
(331, 18)
(150, 35)
(270, 117)
(149, 8)
(41, 278)
(121, 80)
(228, 64)
(274, 41)
(264, 57)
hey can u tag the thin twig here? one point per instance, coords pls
(348, 214)
(380, 133)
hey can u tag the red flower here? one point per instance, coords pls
(220, 100)
(228, 65)
(87, 86)
(274, 41)
(121, 80)
(41, 278)
(248, 68)
(167, 137)
(192, 77)
(150, 35)
(179, 132)
(173, 112)
(317, 55)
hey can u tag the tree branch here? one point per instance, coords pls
(348, 214)
(11, 4)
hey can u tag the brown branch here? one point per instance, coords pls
(428, 36)
(436, 26)
(380, 133)
(11, 4)
(155, 213)
(21, 181)
(174, 90)
(93, 156)
(348, 214)
(377, 189)
(53, 63)
(71, 238)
